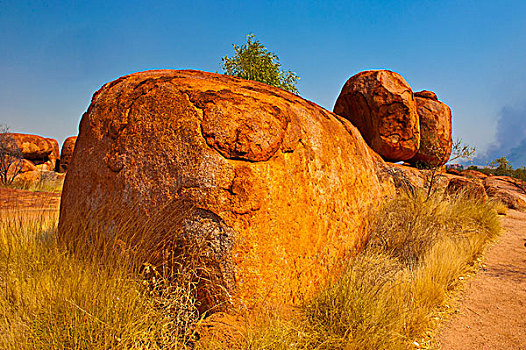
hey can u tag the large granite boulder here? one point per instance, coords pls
(381, 105)
(268, 192)
(510, 191)
(67, 152)
(435, 131)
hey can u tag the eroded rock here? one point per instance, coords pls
(276, 190)
(435, 131)
(381, 105)
(33, 147)
(510, 191)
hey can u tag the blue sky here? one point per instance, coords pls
(55, 54)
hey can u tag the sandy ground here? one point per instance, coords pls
(492, 313)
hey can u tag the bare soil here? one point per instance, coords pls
(492, 313)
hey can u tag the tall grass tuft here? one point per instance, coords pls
(54, 298)
(391, 293)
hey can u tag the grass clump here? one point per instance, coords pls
(52, 298)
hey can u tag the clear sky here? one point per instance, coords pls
(55, 54)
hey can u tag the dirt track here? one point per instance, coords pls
(492, 313)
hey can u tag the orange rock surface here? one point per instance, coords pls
(473, 174)
(381, 105)
(508, 190)
(279, 187)
(33, 147)
(54, 157)
(435, 130)
(67, 152)
(469, 188)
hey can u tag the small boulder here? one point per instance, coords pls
(453, 171)
(468, 188)
(435, 131)
(47, 166)
(54, 157)
(380, 103)
(67, 152)
(426, 94)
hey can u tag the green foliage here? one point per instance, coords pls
(253, 61)
(502, 167)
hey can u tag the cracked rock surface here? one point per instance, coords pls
(278, 188)
(381, 104)
(435, 130)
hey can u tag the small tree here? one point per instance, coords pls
(502, 166)
(253, 61)
(431, 177)
(11, 159)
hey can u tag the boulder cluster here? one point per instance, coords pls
(396, 123)
(39, 156)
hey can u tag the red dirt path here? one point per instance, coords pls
(492, 314)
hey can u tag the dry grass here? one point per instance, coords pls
(51, 298)
(390, 295)
(387, 298)
(44, 184)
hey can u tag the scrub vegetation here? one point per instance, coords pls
(389, 296)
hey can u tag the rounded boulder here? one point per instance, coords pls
(435, 131)
(380, 103)
(67, 152)
(263, 191)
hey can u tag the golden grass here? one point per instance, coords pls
(51, 298)
(43, 185)
(390, 294)
(387, 298)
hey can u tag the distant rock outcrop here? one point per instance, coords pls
(39, 155)
(435, 130)
(276, 189)
(54, 156)
(381, 105)
(67, 152)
